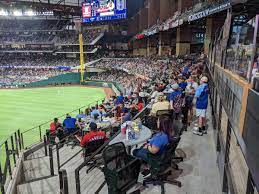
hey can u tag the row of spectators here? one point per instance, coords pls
(147, 67)
(181, 83)
(11, 25)
(23, 59)
(22, 76)
(49, 37)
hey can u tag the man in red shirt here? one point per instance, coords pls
(94, 134)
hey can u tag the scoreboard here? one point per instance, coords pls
(103, 10)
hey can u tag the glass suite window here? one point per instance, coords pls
(240, 48)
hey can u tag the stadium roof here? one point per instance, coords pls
(133, 5)
(59, 2)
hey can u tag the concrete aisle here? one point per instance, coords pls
(200, 172)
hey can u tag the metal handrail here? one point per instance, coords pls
(12, 148)
(40, 126)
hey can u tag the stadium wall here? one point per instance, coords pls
(74, 79)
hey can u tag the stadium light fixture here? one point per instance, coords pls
(17, 13)
(3, 13)
(30, 13)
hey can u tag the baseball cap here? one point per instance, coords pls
(175, 86)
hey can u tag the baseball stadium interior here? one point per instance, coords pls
(129, 96)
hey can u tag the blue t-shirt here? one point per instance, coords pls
(80, 116)
(69, 123)
(174, 95)
(95, 112)
(202, 95)
(183, 85)
(119, 100)
(159, 140)
(126, 117)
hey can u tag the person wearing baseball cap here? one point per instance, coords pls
(94, 134)
(161, 104)
(202, 95)
(176, 100)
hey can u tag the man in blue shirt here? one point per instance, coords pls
(202, 95)
(120, 99)
(182, 84)
(81, 115)
(95, 112)
(69, 124)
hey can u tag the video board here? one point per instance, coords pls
(103, 10)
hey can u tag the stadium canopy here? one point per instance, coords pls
(56, 2)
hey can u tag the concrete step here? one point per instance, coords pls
(36, 168)
(45, 186)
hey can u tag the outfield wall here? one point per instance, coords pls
(74, 79)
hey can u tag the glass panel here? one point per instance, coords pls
(255, 69)
(240, 47)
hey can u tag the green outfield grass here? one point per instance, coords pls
(26, 108)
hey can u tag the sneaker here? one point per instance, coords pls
(204, 131)
(197, 133)
(196, 128)
(145, 173)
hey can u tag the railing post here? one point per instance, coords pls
(16, 144)
(19, 137)
(51, 160)
(40, 133)
(45, 145)
(58, 161)
(8, 163)
(78, 189)
(1, 181)
(63, 182)
(13, 151)
(22, 141)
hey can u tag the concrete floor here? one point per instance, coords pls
(200, 172)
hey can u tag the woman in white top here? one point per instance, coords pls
(189, 95)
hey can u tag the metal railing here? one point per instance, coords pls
(63, 174)
(30, 134)
(10, 148)
(10, 151)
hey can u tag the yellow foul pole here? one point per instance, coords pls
(82, 62)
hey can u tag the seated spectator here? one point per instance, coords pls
(55, 129)
(120, 99)
(94, 134)
(161, 104)
(140, 104)
(96, 119)
(126, 116)
(69, 124)
(95, 111)
(81, 115)
(80, 124)
(157, 144)
(87, 112)
(53, 125)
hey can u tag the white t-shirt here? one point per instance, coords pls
(191, 87)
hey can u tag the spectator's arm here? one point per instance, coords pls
(85, 140)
